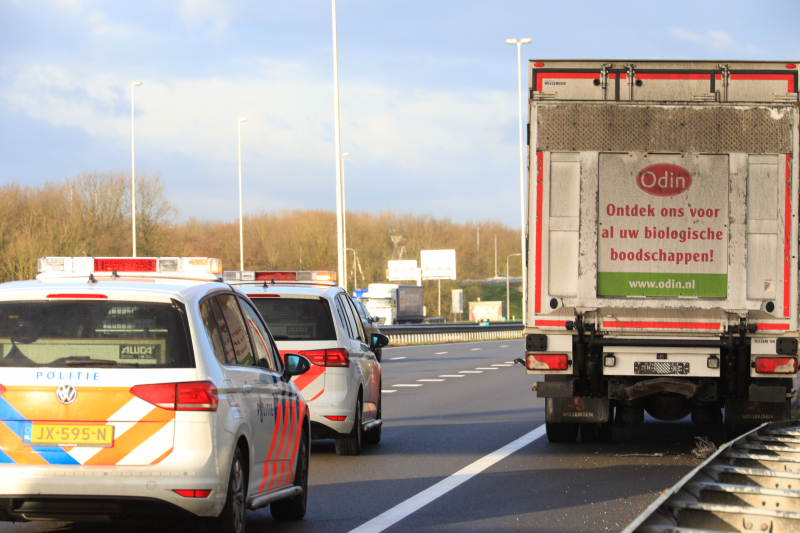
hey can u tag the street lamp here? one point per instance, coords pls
(521, 169)
(508, 290)
(336, 143)
(355, 260)
(133, 173)
(241, 235)
(344, 225)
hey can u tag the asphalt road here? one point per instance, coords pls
(438, 427)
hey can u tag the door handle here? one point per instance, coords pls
(274, 390)
(247, 389)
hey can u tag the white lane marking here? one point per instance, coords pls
(452, 376)
(406, 385)
(417, 502)
(470, 371)
(397, 358)
(503, 364)
(504, 346)
(509, 362)
(440, 353)
(486, 368)
(474, 349)
(387, 391)
(430, 380)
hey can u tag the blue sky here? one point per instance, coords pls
(428, 91)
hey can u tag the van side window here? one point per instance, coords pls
(212, 330)
(259, 335)
(242, 348)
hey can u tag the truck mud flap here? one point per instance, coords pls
(563, 410)
(749, 484)
(751, 413)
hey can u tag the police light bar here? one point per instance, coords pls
(170, 267)
(285, 276)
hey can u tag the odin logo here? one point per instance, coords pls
(66, 394)
(139, 351)
(664, 179)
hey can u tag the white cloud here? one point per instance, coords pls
(716, 40)
(203, 12)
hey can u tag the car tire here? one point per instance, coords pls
(558, 432)
(597, 432)
(350, 444)
(294, 508)
(373, 436)
(234, 514)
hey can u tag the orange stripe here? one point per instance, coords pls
(273, 451)
(304, 380)
(287, 457)
(317, 395)
(267, 462)
(283, 444)
(772, 326)
(661, 325)
(91, 405)
(551, 323)
(296, 444)
(13, 447)
(163, 456)
(131, 439)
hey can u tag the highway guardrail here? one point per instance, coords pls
(749, 484)
(459, 332)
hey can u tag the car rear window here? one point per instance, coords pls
(93, 334)
(297, 319)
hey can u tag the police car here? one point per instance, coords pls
(309, 314)
(145, 388)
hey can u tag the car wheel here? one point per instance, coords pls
(351, 444)
(373, 436)
(233, 516)
(294, 508)
(557, 432)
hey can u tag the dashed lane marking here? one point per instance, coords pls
(486, 368)
(430, 380)
(503, 364)
(509, 362)
(440, 353)
(408, 385)
(470, 371)
(504, 346)
(474, 349)
(387, 391)
(452, 376)
(397, 358)
(417, 502)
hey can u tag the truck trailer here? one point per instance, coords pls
(661, 242)
(395, 304)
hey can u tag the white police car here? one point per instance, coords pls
(145, 388)
(309, 314)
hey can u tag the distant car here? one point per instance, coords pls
(145, 388)
(370, 324)
(309, 314)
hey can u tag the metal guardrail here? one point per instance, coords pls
(436, 333)
(750, 484)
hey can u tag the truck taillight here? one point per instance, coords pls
(542, 361)
(776, 365)
(338, 357)
(188, 396)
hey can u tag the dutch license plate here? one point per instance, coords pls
(652, 367)
(67, 435)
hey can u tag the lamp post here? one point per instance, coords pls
(521, 168)
(133, 172)
(241, 233)
(508, 290)
(344, 226)
(355, 260)
(336, 127)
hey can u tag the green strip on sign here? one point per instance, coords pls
(661, 284)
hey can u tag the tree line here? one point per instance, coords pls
(89, 214)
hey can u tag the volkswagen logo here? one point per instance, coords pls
(66, 394)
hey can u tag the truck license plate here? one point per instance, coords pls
(652, 367)
(67, 434)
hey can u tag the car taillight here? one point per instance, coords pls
(187, 396)
(776, 365)
(192, 493)
(546, 361)
(2, 390)
(337, 357)
(336, 418)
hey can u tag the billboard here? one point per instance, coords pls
(402, 270)
(438, 264)
(482, 311)
(663, 225)
(458, 301)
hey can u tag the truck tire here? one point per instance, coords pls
(557, 432)
(597, 432)
(294, 508)
(351, 444)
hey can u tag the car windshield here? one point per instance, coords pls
(379, 303)
(92, 334)
(297, 319)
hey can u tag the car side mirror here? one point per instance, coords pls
(375, 319)
(379, 340)
(294, 365)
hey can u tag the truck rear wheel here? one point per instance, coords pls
(597, 432)
(557, 432)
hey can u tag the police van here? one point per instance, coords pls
(145, 388)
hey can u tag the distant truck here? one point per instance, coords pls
(662, 242)
(395, 304)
